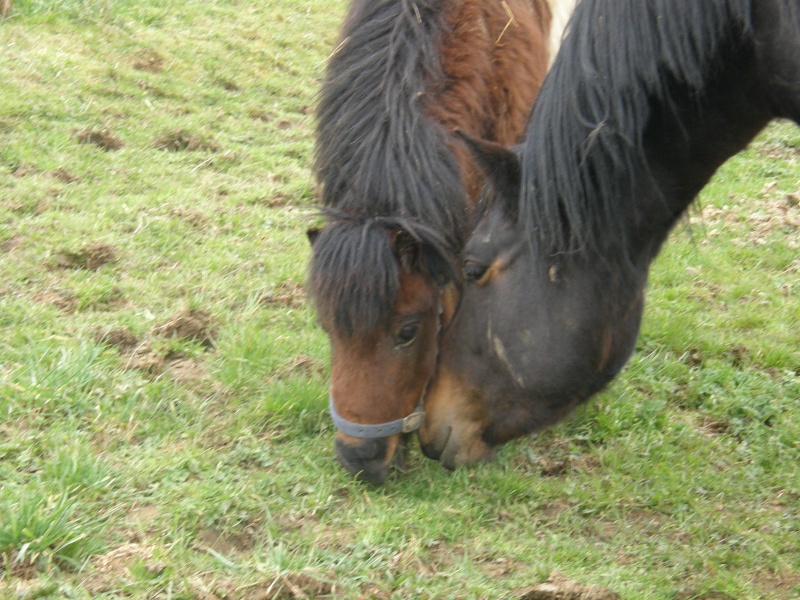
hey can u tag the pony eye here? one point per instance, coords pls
(474, 271)
(406, 335)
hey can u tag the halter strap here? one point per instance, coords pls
(369, 432)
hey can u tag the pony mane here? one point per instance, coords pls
(356, 270)
(377, 153)
(580, 146)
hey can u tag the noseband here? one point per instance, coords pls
(370, 432)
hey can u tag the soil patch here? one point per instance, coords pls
(192, 217)
(102, 138)
(12, 243)
(63, 175)
(192, 324)
(288, 586)
(12, 567)
(183, 140)
(144, 358)
(758, 220)
(62, 300)
(261, 115)
(119, 337)
(226, 543)
(187, 370)
(90, 257)
(114, 567)
(299, 365)
(288, 294)
(558, 587)
(148, 60)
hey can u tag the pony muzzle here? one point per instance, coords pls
(369, 451)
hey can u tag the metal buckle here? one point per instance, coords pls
(413, 421)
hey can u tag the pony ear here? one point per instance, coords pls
(416, 254)
(499, 164)
(312, 234)
(406, 248)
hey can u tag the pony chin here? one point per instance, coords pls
(371, 460)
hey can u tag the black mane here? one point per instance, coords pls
(382, 163)
(579, 143)
(377, 153)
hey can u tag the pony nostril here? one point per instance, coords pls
(366, 459)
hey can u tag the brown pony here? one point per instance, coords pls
(397, 191)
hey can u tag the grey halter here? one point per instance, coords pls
(370, 432)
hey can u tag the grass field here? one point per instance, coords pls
(163, 421)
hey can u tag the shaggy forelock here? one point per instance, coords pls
(355, 269)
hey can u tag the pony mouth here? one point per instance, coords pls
(376, 469)
(437, 447)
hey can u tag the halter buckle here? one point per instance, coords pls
(413, 421)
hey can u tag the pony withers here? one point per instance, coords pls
(645, 100)
(396, 191)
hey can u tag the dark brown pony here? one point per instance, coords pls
(397, 190)
(644, 102)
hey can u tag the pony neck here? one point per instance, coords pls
(628, 129)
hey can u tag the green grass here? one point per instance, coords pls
(163, 421)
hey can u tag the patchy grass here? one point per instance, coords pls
(163, 425)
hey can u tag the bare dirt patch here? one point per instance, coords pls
(192, 217)
(714, 427)
(287, 586)
(558, 587)
(63, 300)
(24, 170)
(143, 514)
(187, 370)
(148, 60)
(227, 544)
(299, 365)
(90, 257)
(11, 566)
(288, 294)
(63, 175)
(119, 337)
(114, 567)
(12, 243)
(758, 218)
(102, 138)
(261, 115)
(784, 585)
(776, 214)
(192, 324)
(144, 358)
(182, 140)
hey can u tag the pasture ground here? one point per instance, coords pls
(163, 426)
